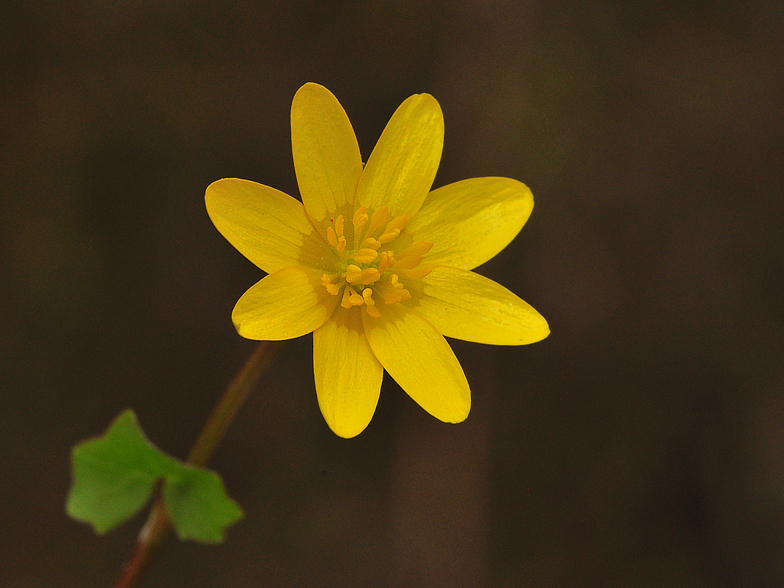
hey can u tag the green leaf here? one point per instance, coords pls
(199, 506)
(115, 475)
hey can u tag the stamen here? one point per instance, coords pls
(365, 255)
(367, 294)
(378, 220)
(346, 302)
(417, 248)
(360, 219)
(331, 237)
(370, 304)
(353, 273)
(416, 273)
(399, 223)
(408, 262)
(389, 235)
(369, 276)
(371, 243)
(326, 280)
(366, 270)
(383, 262)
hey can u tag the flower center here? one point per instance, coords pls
(370, 270)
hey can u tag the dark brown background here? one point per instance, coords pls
(642, 444)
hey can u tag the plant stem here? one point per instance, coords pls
(158, 526)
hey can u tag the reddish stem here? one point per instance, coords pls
(158, 526)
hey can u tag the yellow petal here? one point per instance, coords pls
(403, 164)
(268, 227)
(420, 360)
(286, 304)
(467, 306)
(470, 221)
(326, 154)
(348, 375)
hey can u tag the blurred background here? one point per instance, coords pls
(641, 444)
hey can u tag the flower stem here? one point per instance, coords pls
(158, 526)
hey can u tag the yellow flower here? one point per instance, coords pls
(375, 265)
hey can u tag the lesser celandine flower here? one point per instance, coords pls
(375, 265)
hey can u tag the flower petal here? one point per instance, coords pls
(467, 306)
(268, 227)
(348, 375)
(403, 164)
(470, 221)
(326, 154)
(286, 304)
(420, 360)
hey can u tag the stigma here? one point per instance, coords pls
(370, 271)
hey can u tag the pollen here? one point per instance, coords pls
(368, 271)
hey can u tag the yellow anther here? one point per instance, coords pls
(360, 219)
(346, 302)
(390, 297)
(331, 237)
(398, 224)
(408, 262)
(367, 294)
(378, 220)
(383, 262)
(365, 255)
(366, 270)
(389, 236)
(353, 273)
(369, 276)
(333, 289)
(416, 273)
(417, 248)
(371, 243)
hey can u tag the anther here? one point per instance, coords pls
(389, 236)
(416, 273)
(365, 255)
(360, 219)
(367, 294)
(383, 262)
(353, 273)
(369, 276)
(397, 224)
(408, 262)
(331, 237)
(326, 280)
(417, 248)
(371, 243)
(346, 302)
(378, 220)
